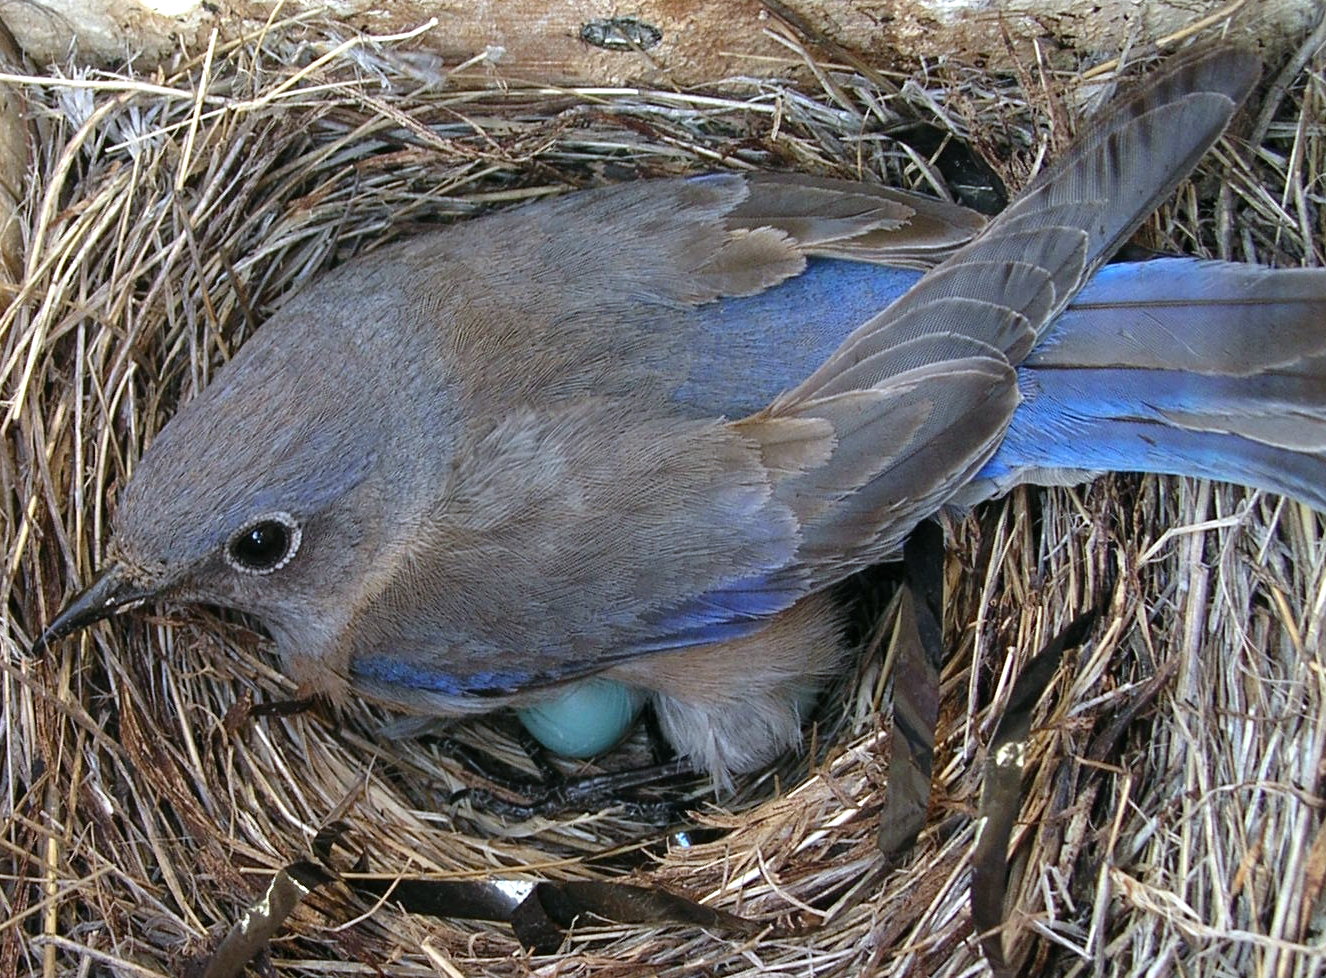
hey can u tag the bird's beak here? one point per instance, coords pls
(112, 592)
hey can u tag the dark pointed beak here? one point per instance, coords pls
(112, 592)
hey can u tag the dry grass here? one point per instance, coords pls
(142, 806)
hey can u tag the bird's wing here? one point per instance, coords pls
(917, 399)
(622, 289)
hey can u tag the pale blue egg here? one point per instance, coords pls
(586, 719)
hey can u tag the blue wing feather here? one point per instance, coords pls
(1098, 418)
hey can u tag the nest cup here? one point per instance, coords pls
(144, 805)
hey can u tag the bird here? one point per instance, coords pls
(628, 439)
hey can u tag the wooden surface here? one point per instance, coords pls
(698, 41)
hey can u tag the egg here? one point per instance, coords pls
(586, 719)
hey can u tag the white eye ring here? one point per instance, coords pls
(265, 545)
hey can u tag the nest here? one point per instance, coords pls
(146, 802)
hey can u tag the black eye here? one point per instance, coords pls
(264, 545)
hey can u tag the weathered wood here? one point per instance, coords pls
(679, 42)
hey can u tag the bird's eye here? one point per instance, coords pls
(265, 545)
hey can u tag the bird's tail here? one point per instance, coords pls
(1177, 366)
